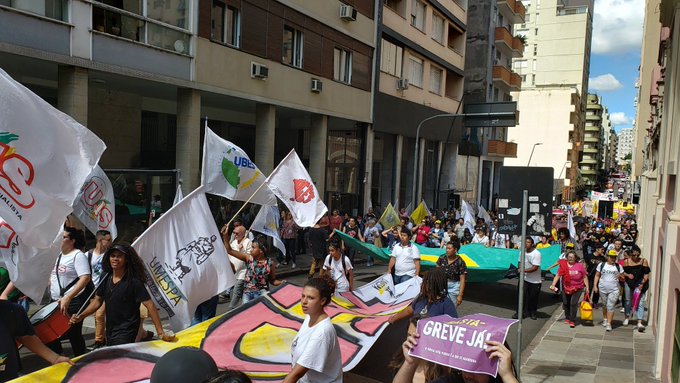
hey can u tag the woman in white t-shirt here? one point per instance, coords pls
(339, 268)
(70, 284)
(481, 238)
(315, 350)
(607, 277)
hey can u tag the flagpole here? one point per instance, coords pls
(257, 190)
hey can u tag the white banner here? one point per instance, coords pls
(178, 195)
(267, 223)
(295, 188)
(95, 206)
(483, 214)
(227, 171)
(571, 227)
(384, 290)
(45, 156)
(29, 268)
(186, 259)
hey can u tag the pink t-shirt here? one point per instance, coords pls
(576, 275)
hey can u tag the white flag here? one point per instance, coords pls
(45, 156)
(294, 187)
(267, 223)
(29, 268)
(469, 221)
(227, 171)
(95, 205)
(185, 258)
(178, 195)
(483, 214)
(570, 226)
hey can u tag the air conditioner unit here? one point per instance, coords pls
(258, 71)
(402, 83)
(348, 13)
(317, 85)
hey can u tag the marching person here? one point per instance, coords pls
(318, 239)
(122, 290)
(532, 279)
(636, 273)
(243, 244)
(574, 280)
(432, 300)
(71, 284)
(16, 327)
(340, 269)
(456, 271)
(260, 272)
(405, 258)
(607, 276)
(316, 349)
(94, 257)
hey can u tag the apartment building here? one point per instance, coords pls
(489, 77)
(592, 140)
(605, 132)
(422, 57)
(554, 72)
(269, 75)
(625, 145)
(658, 220)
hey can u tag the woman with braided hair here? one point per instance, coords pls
(433, 299)
(315, 349)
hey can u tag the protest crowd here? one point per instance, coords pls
(180, 263)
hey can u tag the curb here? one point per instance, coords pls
(529, 350)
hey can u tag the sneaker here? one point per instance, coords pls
(604, 323)
(572, 324)
(623, 309)
(567, 321)
(640, 327)
(609, 327)
(625, 322)
(293, 265)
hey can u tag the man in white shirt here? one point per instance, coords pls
(405, 259)
(95, 256)
(243, 244)
(532, 279)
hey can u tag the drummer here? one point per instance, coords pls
(15, 327)
(71, 284)
(122, 290)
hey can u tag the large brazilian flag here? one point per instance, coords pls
(485, 264)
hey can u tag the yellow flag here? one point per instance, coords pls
(420, 213)
(389, 217)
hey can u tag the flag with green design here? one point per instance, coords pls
(229, 172)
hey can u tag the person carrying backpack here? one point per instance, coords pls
(607, 277)
(339, 268)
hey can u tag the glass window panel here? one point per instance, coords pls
(173, 12)
(436, 75)
(416, 71)
(217, 21)
(167, 38)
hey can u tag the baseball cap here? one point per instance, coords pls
(570, 245)
(612, 253)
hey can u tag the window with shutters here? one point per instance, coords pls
(418, 15)
(225, 24)
(415, 72)
(436, 76)
(391, 58)
(342, 65)
(292, 46)
(438, 28)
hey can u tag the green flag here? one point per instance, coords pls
(389, 217)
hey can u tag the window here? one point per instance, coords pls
(391, 58)
(225, 26)
(418, 15)
(521, 64)
(54, 9)
(438, 28)
(172, 12)
(436, 75)
(342, 65)
(535, 49)
(292, 46)
(415, 73)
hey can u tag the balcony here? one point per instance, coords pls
(504, 76)
(592, 128)
(508, 44)
(589, 138)
(593, 117)
(513, 10)
(502, 149)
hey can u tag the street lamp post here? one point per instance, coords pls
(532, 152)
(417, 148)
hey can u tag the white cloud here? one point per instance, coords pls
(617, 26)
(604, 83)
(620, 118)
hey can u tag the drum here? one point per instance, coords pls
(49, 323)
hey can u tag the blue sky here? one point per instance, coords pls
(617, 39)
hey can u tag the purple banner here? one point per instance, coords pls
(460, 343)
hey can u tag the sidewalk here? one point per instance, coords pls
(589, 354)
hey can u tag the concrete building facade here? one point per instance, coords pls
(604, 140)
(489, 77)
(554, 72)
(625, 145)
(658, 147)
(269, 75)
(589, 164)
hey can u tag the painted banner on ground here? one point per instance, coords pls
(229, 172)
(95, 206)
(484, 264)
(29, 267)
(295, 188)
(45, 156)
(254, 338)
(185, 258)
(460, 342)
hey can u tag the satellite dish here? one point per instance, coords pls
(179, 46)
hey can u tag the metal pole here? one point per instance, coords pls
(532, 152)
(521, 267)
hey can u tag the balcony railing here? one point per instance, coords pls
(506, 76)
(514, 9)
(502, 148)
(511, 45)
